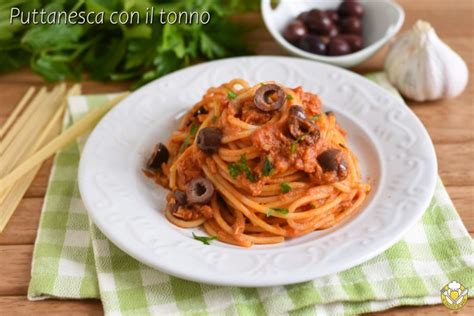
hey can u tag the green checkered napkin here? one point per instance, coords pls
(73, 259)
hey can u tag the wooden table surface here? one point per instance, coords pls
(448, 122)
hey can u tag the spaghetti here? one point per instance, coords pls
(258, 164)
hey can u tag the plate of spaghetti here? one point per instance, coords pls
(257, 171)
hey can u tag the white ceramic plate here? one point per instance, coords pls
(395, 152)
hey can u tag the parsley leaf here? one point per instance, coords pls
(133, 52)
(285, 187)
(234, 170)
(295, 143)
(241, 167)
(315, 117)
(283, 211)
(187, 141)
(267, 168)
(232, 95)
(289, 97)
(205, 240)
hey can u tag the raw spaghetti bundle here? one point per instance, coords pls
(258, 164)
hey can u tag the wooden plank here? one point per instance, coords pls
(23, 224)
(16, 265)
(455, 163)
(21, 306)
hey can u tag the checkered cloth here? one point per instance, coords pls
(73, 259)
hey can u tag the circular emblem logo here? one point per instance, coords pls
(454, 295)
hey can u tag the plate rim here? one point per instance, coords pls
(255, 283)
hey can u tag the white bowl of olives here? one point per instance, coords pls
(343, 33)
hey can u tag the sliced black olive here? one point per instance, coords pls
(180, 197)
(209, 140)
(334, 160)
(199, 190)
(299, 125)
(159, 156)
(263, 97)
(200, 111)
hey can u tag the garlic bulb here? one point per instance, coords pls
(423, 68)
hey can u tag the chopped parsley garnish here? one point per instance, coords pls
(214, 119)
(234, 170)
(315, 117)
(239, 167)
(187, 141)
(205, 240)
(285, 187)
(289, 97)
(194, 128)
(267, 168)
(283, 211)
(295, 143)
(232, 95)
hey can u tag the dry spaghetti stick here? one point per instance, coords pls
(24, 140)
(21, 121)
(18, 109)
(9, 200)
(62, 140)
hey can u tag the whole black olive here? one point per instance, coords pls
(351, 25)
(209, 140)
(299, 125)
(159, 156)
(333, 15)
(313, 44)
(318, 22)
(334, 31)
(264, 97)
(302, 16)
(199, 190)
(354, 41)
(338, 46)
(294, 31)
(351, 8)
(334, 160)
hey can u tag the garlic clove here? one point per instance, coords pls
(422, 67)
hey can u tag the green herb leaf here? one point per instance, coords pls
(289, 97)
(285, 187)
(315, 117)
(241, 167)
(295, 143)
(193, 130)
(283, 211)
(267, 168)
(205, 240)
(232, 95)
(192, 133)
(234, 170)
(106, 51)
